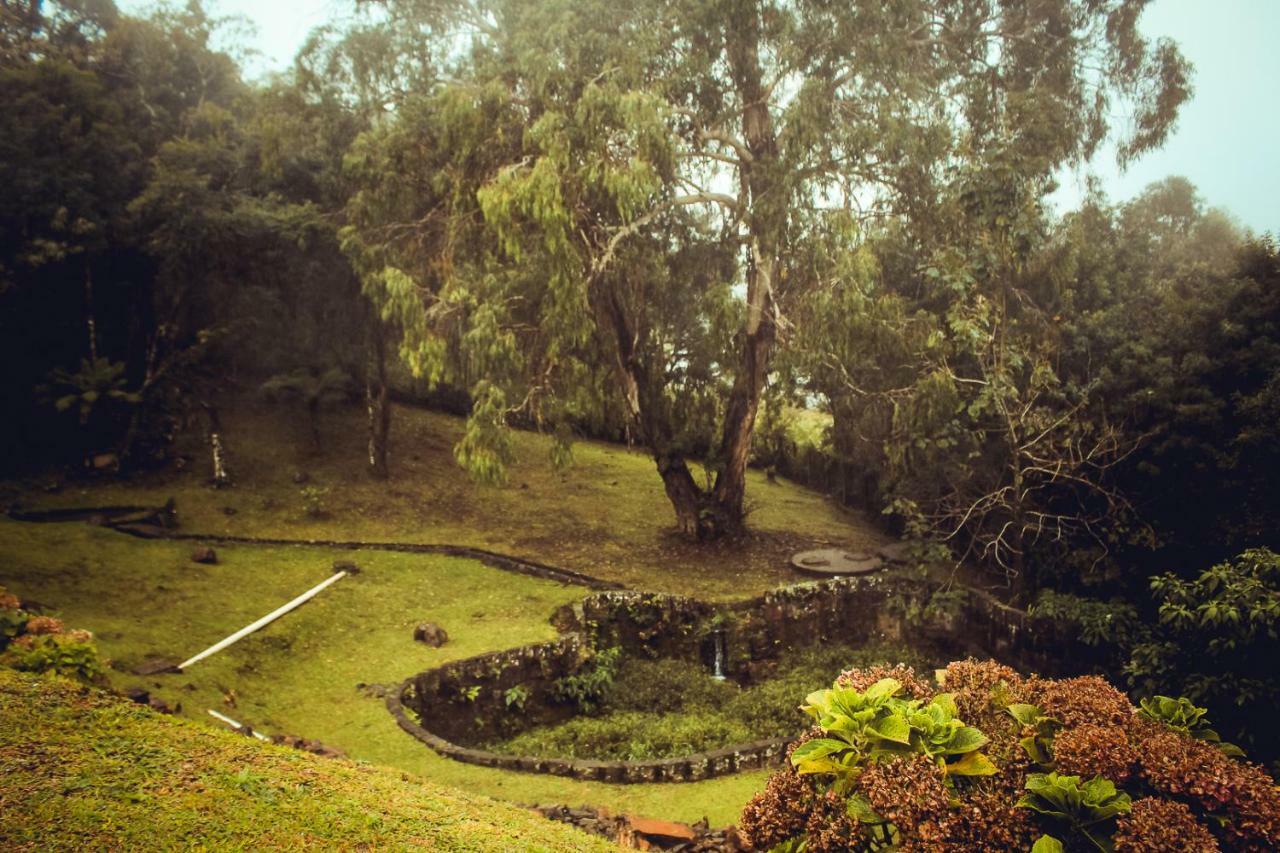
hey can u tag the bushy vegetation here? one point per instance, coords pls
(989, 759)
(669, 708)
(42, 644)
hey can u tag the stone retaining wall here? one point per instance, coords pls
(434, 706)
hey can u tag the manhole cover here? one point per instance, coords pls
(829, 562)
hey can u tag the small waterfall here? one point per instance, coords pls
(717, 671)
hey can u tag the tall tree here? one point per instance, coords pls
(633, 137)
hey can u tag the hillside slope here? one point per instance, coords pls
(606, 515)
(82, 769)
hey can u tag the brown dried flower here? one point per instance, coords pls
(44, 625)
(909, 793)
(1243, 793)
(913, 685)
(1162, 826)
(1087, 699)
(779, 812)
(1088, 750)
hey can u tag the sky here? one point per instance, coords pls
(1223, 143)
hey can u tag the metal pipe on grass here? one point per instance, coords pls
(265, 620)
(235, 725)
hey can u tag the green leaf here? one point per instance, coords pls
(972, 764)
(965, 739)
(883, 689)
(1047, 844)
(893, 728)
(1025, 714)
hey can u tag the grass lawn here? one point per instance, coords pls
(605, 516)
(299, 675)
(82, 770)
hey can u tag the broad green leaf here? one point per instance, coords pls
(973, 764)
(1025, 714)
(965, 739)
(1047, 844)
(883, 688)
(893, 728)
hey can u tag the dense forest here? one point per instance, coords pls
(562, 233)
(705, 229)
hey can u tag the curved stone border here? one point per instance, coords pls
(664, 625)
(493, 559)
(691, 768)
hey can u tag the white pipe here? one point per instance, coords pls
(235, 725)
(265, 620)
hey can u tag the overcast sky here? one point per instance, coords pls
(1224, 139)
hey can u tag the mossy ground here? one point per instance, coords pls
(82, 770)
(606, 516)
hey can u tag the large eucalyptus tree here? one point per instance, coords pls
(641, 185)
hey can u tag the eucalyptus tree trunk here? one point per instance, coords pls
(376, 402)
(766, 218)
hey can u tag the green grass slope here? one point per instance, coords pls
(299, 674)
(81, 769)
(606, 515)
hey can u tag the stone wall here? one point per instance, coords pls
(441, 707)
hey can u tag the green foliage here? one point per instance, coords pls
(1182, 715)
(1038, 745)
(314, 501)
(874, 725)
(588, 687)
(515, 697)
(1088, 808)
(12, 623)
(1115, 623)
(631, 736)
(1215, 643)
(60, 654)
(94, 384)
(640, 709)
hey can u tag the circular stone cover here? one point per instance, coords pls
(829, 562)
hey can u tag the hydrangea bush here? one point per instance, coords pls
(984, 758)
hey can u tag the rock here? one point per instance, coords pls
(160, 706)
(155, 666)
(204, 555)
(347, 566)
(105, 462)
(895, 552)
(657, 832)
(564, 619)
(301, 477)
(431, 634)
(138, 695)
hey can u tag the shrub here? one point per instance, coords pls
(72, 655)
(1080, 770)
(1216, 643)
(666, 708)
